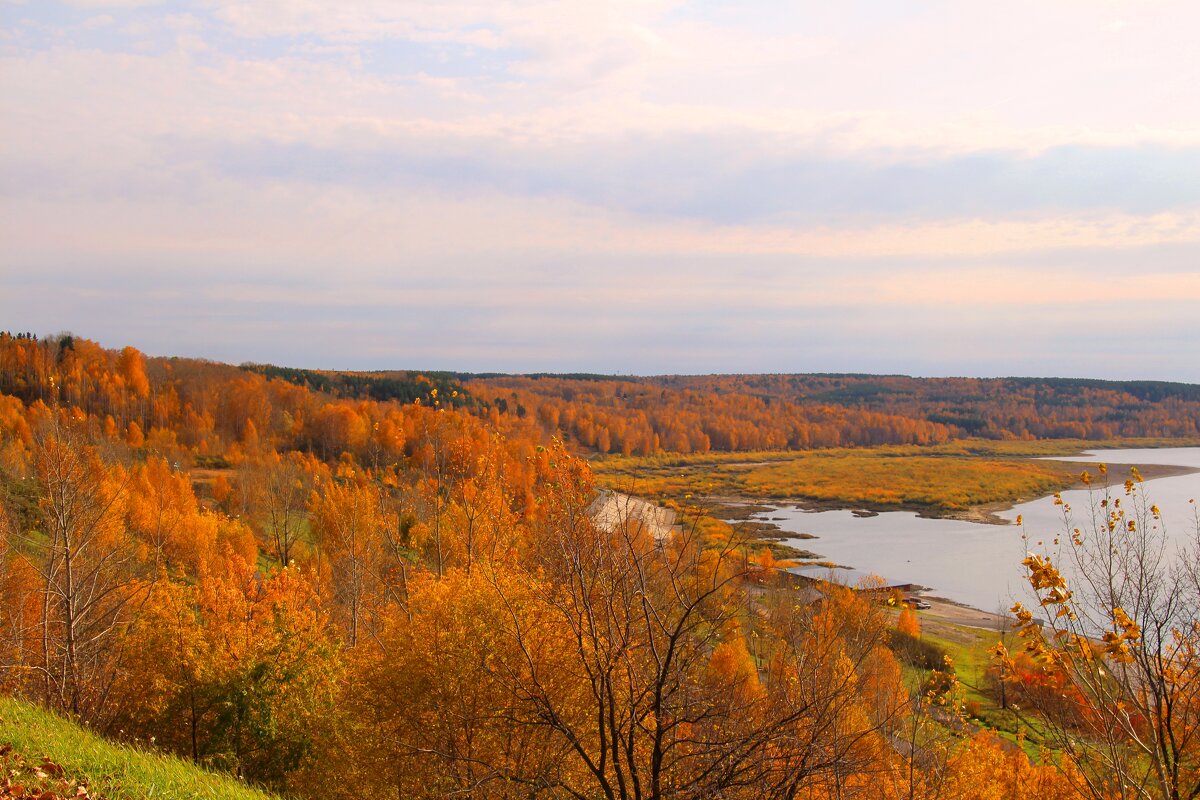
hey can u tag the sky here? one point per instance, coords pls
(636, 187)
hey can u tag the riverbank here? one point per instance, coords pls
(969, 553)
(969, 479)
(947, 611)
(740, 509)
(974, 564)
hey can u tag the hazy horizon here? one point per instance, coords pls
(430, 369)
(625, 187)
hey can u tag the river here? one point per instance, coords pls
(975, 563)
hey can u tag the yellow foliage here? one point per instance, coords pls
(909, 623)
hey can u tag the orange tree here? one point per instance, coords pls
(608, 662)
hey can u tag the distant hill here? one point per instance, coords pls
(210, 404)
(698, 413)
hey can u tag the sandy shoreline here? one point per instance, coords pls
(949, 611)
(611, 509)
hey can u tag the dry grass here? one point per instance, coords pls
(950, 477)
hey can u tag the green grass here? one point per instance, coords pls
(970, 653)
(970, 650)
(110, 770)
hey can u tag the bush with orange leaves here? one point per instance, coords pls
(983, 768)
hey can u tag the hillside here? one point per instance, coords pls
(70, 757)
(327, 594)
(702, 413)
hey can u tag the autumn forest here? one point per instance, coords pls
(393, 585)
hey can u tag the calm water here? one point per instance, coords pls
(975, 563)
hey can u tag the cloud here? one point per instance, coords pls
(736, 178)
(113, 4)
(635, 186)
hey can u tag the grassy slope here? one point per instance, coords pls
(107, 769)
(970, 649)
